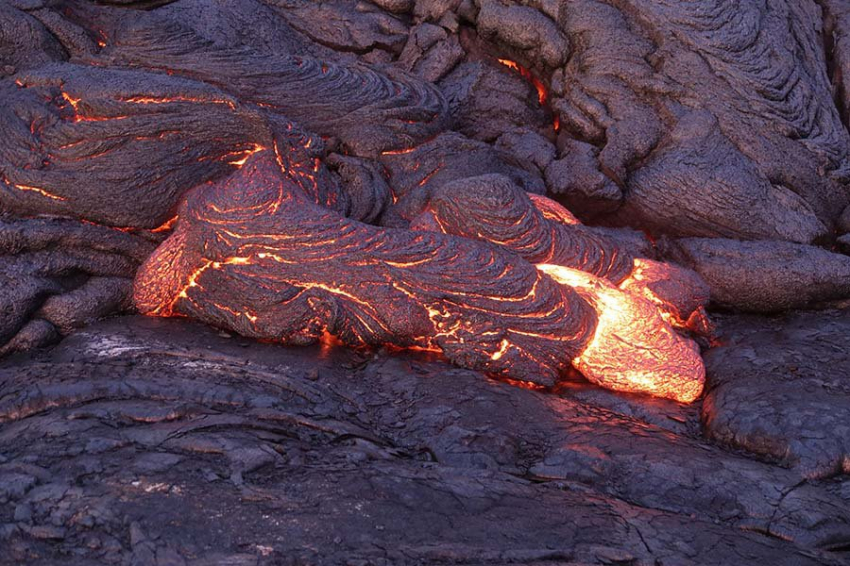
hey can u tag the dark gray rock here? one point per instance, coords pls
(487, 99)
(844, 221)
(25, 42)
(215, 447)
(524, 29)
(765, 276)
(576, 180)
(430, 52)
(781, 389)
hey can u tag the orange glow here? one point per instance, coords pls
(328, 342)
(252, 253)
(551, 210)
(191, 282)
(255, 253)
(633, 349)
(98, 118)
(681, 306)
(239, 158)
(166, 226)
(501, 352)
(523, 384)
(542, 95)
(38, 190)
(399, 151)
(170, 99)
(74, 102)
(125, 229)
(101, 38)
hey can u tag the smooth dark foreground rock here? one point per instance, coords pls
(150, 441)
(780, 388)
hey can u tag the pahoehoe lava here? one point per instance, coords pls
(317, 281)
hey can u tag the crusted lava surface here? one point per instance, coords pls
(254, 254)
(474, 232)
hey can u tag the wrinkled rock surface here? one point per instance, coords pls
(713, 133)
(717, 119)
(143, 440)
(766, 276)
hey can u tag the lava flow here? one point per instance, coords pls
(541, 231)
(259, 253)
(256, 254)
(633, 348)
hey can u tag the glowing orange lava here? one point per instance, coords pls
(42, 192)
(263, 254)
(166, 226)
(239, 158)
(256, 254)
(551, 210)
(633, 349)
(678, 293)
(74, 102)
(170, 99)
(542, 95)
(31, 189)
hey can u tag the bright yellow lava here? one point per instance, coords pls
(633, 349)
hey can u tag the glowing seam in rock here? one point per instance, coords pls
(40, 191)
(171, 99)
(542, 95)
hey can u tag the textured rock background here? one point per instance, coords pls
(714, 119)
(711, 133)
(151, 441)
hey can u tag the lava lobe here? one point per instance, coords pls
(255, 254)
(258, 254)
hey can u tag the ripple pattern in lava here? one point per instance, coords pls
(253, 253)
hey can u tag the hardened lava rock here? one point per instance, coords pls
(116, 147)
(130, 441)
(367, 109)
(493, 209)
(58, 274)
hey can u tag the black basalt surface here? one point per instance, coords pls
(151, 441)
(711, 135)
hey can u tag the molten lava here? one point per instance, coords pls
(262, 253)
(542, 95)
(494, 209)
(633, 348)
(553, 211)
(680, 294)
(258, 255)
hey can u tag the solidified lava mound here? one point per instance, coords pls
(526, 189)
